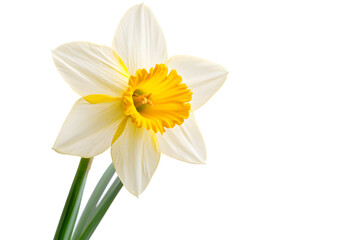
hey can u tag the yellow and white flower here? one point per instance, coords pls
(135, 99)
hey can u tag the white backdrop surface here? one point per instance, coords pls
(282, 134)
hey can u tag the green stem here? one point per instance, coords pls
(71, 208)
(90, 207)
(101, 209)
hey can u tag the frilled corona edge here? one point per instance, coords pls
(157, 99)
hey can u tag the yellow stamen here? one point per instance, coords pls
(141, 99)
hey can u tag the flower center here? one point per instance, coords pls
(157, 99)
(141, 99)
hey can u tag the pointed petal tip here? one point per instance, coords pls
(198, 162)
(53, 148)
(134, 193)
(56, 149)
(70, 154)
(201, 162)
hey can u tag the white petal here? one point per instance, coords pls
(184, 142)
(204, 78)
(89, 128)
(139, 40)
(135, 155)
(91, 69)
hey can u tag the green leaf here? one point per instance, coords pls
(90, 207)
(101, 209)
(71, 208)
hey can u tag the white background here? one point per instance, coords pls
(282, 134)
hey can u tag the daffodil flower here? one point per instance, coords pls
(135, 100)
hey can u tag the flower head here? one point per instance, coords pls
(134, 99)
